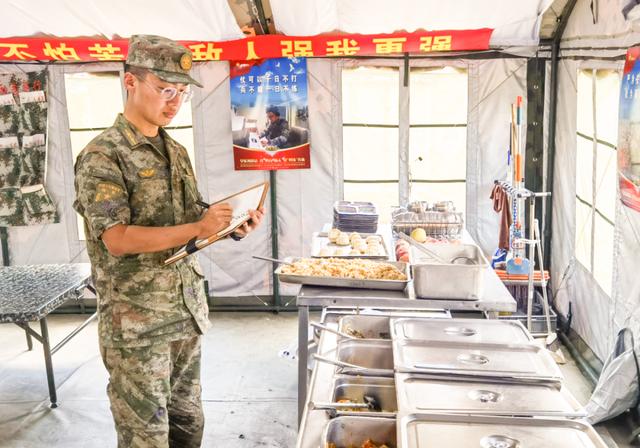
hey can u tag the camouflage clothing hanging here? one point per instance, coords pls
(23, 126)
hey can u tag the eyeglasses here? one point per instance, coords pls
(169, 93)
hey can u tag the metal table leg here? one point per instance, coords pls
(29, 340)
(47, 360)
(303, 356)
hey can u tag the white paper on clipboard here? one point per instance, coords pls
(250, 199)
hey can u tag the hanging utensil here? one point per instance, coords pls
(331, 330)
(274, 260)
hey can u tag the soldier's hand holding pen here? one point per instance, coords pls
(216, 218)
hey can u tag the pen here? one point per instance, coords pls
(202, 204)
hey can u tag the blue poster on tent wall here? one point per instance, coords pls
(629, 132)
(270, 114)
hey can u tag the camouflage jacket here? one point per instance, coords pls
(121, 178)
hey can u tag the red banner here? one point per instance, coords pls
(253, 48)
(282, 159)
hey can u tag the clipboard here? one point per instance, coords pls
(251, 198)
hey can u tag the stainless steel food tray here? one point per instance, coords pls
(321, 239)
(367, 357)
(416, 394)
(435, 431)
(392, 285)
(435, 280)
(369, 327)
(465, 331)
(354, 388)
(527, 363)
(346, 432)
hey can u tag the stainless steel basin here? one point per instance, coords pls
(348, 431)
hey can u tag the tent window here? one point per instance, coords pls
(597, 134)
(437, 116)
(370, 115)
(438, 134)
(93, 101)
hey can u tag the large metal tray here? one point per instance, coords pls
(465, 331)
(527, 363)
(346, 432)
(435, 431)
(391, 285)
(321, 239)
(435, 280)
(418, 395)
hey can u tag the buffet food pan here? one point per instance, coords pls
(355, 388)
(366, 357)
(341, 282)
(463, 431)
(370, 396)
(320, 240)
(465, 331)
(350, 431)
(526, 363)
(365, 327)
(450, 396)
(461, 279)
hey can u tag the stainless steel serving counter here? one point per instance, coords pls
(496, 298)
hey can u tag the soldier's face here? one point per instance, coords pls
(145, 95)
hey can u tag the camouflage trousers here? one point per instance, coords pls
(155, 394)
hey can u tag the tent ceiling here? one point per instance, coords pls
(513, 25)
(551, 18)
(181, 20)
(225, 20)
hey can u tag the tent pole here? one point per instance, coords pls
(4, 237)
(272, 190)
(553, 105)
(534, 153)
(274, 236)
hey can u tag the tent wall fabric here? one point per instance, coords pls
(305, 198)
(179, 20)
(601, 33)
(597, 316)
(572, 282)
(512, 26)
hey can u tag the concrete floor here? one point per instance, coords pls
(249, 391)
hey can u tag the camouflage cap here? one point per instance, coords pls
(163, 57)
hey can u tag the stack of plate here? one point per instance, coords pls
(361, 217)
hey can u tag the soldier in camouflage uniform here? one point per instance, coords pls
(137, 192)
